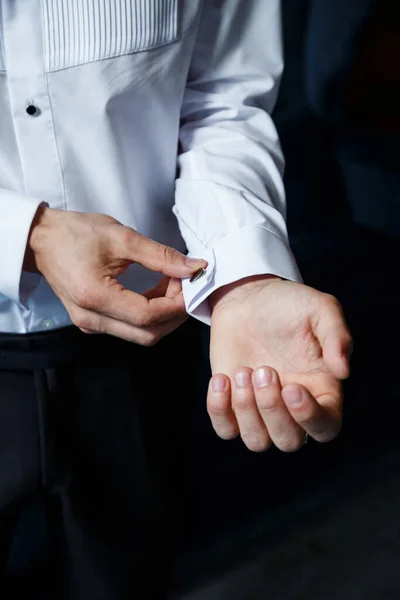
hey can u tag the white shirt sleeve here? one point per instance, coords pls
(230, 200)
(16, 215)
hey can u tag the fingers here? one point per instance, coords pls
(251, 405)
(285, 433)
(174, 288)
(321, 419)
(167, 286)
(123, 305)
(131, 245)
(335, 338)
(251, 426)
(254, 405)
(91, 323)
(219, 407)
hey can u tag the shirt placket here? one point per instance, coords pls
(30, 101)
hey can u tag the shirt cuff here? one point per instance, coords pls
(17, 214)
(253, 250)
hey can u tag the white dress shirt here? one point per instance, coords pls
(94, 97)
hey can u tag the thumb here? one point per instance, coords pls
(158, 257)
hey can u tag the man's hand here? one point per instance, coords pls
(81, 256)
(279, 351)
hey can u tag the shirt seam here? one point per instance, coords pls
(56, 144)
(115, 56)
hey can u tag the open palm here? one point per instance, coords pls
(278, 353)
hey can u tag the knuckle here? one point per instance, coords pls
(218, 406)
(85, 298)
(256, 442)
(290, 444)
(227, 433)
(99, 326)
(330, 298)
(166, 253)
(242, 402)
(124, 235)
(329, 434)
(87, 331)
(149, 339)
(101, 219)
(143, 319)
(267, 402)
(81, 320)
(107, 219)
(332, 302)
(308, 416)
(327, 437)
(216, 409)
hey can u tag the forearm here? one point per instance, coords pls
(230, 199)
(39, 220)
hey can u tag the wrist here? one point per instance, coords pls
(40, 224)
(238, 290)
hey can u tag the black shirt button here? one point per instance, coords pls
(32, 110)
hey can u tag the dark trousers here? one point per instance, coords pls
(92, 434)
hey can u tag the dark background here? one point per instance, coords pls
(323, 523)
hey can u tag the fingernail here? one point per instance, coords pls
(195, 262)
(242, 379)
(263, 377)
(293, 396)
(218, 384)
